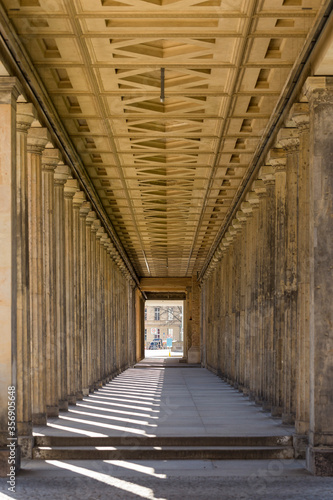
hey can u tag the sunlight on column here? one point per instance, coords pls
(139, 468)
(127, 486)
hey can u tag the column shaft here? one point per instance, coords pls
(25, 116)
(9, 92)
(37, 140)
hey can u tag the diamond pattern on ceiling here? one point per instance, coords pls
(167, 172)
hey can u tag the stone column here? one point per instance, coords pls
(26, 114)
(37, 139)
(101, 304)
(90, 263)
(319, 91)
(9, 92)
(277, 159)
(97, 304)
(84, 286)
(300, 116)
(194, 354)
(267, 174)
(50, 160)
(254, 201)
(107, 243)
(71, 187)
(78, 199)
(288, 138)
(61, 174)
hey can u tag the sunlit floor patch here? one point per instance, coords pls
(106, 426)
(120, 484)
(150, 471)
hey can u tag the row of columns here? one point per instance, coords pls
(266, 295)
(65, 290)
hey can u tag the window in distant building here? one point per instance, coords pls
(157, 335)
(145, 313)
(170, 315)
(145, 333)
(170, 333)
(157, 313)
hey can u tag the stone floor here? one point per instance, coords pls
(166, 402)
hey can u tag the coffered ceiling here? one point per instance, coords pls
(167, 173)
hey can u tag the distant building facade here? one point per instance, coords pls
(163, 320)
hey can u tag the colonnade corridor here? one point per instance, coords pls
(176, 152)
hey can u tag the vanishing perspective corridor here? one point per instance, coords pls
(166, 186)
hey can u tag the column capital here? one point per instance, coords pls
(71, 187)
(246, 208)
(288, 139)
(300, 115)
(10, 89)
(100, 233)
(85, 209)
(61, 174)
(278, 159)
(253, 198)
(242, 216)
(38, 137)
(51, 157)
(259, 188)
(78, 198)
(96, 225)
(237, 225)
(319, 89)
(26, 114)
(267, 175)
(91, 217)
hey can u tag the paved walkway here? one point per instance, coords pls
(164, 402)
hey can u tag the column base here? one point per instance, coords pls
(10, 463)
(246, 391)
(71, 399)
(194, 355)
(52, 411)
(26, 444)
(288, 418)
(266, 406)
(63, 405)
(300, 443)
(85, 392)
(39, 419)
(91, 389)
(276, 411)
(79, 395)
(319, 461)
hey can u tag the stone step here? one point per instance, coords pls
(188, 441)
(164, 453)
